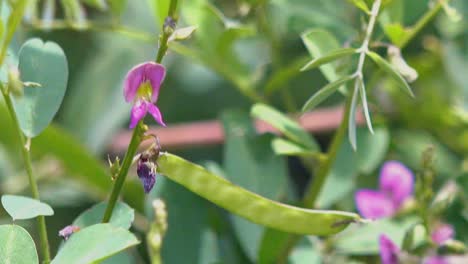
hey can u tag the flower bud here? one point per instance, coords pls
(67, 231)
(15, 85)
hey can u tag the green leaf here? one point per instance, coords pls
(100, 5)
(364, 239)
(329, 57)
(395, 32)
(361, 4)
(117, 6)
(16, 246)
(20, 207)
(46, 64)
(251, 206)
(387, 67)
(325, 92)
(320, 42)
(283, 146)
(95, 243)
(250, 162)
(122, 216)
(365, 107)
(285, 125)
(352, 118)
(160, 9)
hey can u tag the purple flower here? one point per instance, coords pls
(442, 233)
(435, 260)
(146, 171)
(388, 250)
(395, 186)
(141, 86)
(67, 231)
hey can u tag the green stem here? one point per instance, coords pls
(127, 162)
(138, 131)
(41, 224)
(422, 22)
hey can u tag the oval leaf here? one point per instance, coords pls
(45, 64)
(329, 57)
(122, 216)
(324, 93)
(249, 205)
(95, 243)
(20, 207)
(16, 246)
(285, 125)
(387, 67)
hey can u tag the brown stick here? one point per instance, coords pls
(211, 132)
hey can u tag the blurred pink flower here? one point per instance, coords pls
(388, 250)
(67, 231)
(435, 260)
(442, 233)
(141, 86)
(395, 186)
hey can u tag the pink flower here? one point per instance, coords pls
(67, 231)
(442, 233)
(395, 186)
(388, 250)
(141, 86)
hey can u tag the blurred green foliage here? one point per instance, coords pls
(245, 52)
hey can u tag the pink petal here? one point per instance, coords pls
(133, 80)
(388, 250)
(155, 73)
(435, 260)
(373, 204)
(154, 111)
(397, 181)
(138, 112)
(442, 233)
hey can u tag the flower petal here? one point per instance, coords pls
(154, 111)
(138, 112)
(388, 250)
(442, 233)
(435, 260)
(133, 80)
(374, 204)
(146, 171)
(397, 181)
(155, 73)
(67, 231)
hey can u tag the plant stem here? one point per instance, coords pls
(126, 163)
(41, 223)
(139, 129)
(421, 23)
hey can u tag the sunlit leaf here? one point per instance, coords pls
(122, 216)
(16, 246)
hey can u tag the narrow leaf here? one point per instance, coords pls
(252, 206)
(387, 67)
(20, 207)
(352, 118)
(324, 93)
(329, 57)
(365, 107)
(285, 125)
(361, 4)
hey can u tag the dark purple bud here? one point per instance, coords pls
(67, 231)
(146, 171)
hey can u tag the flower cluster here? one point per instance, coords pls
(396, 184)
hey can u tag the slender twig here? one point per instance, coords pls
(422, 22)
(139, 129)
(41, 224)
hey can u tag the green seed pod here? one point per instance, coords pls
(249, 205)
